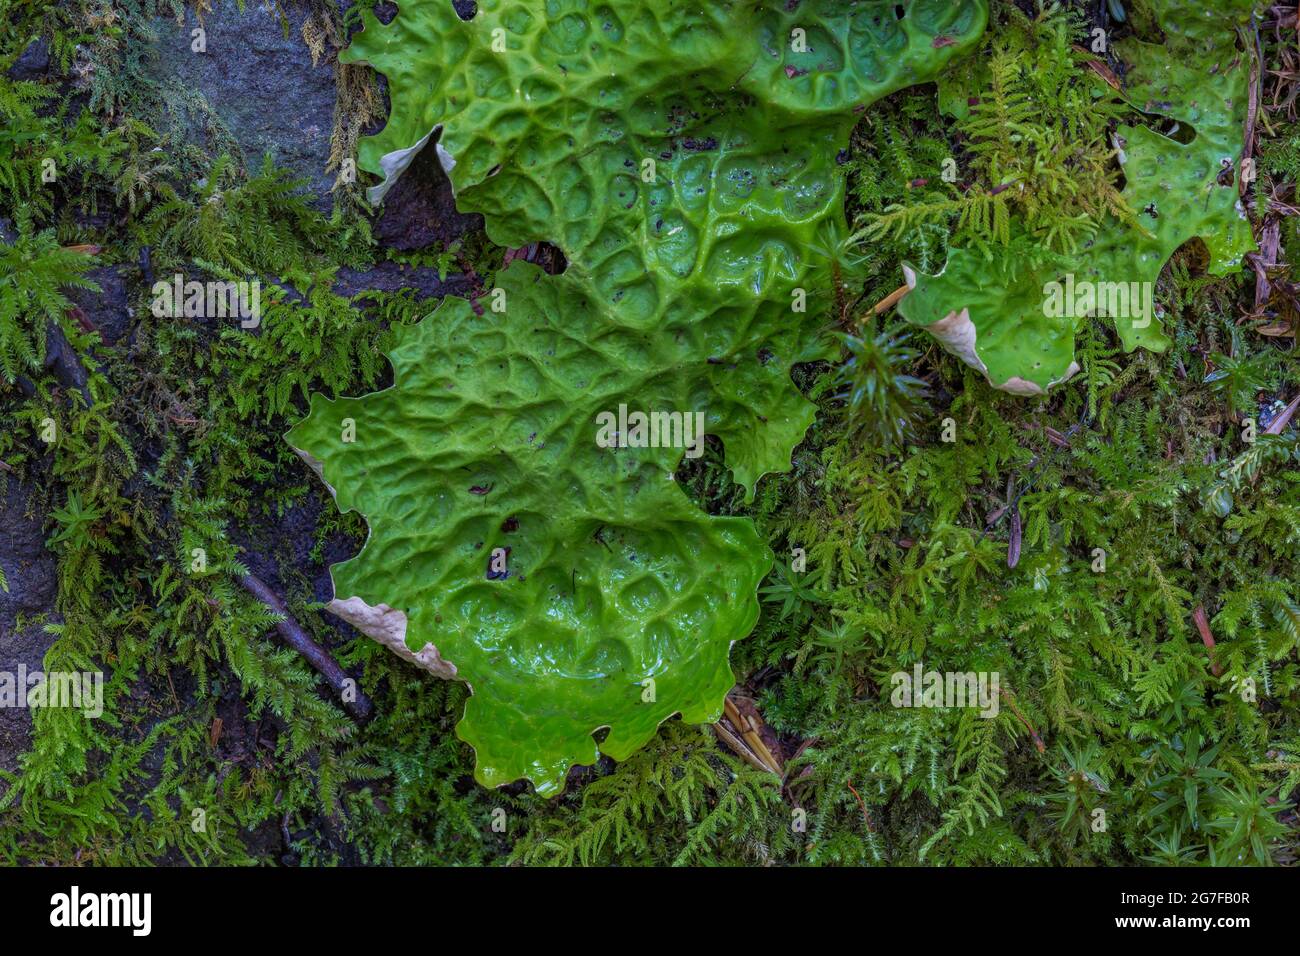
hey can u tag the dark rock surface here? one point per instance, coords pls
(259, 81)
(108, 310)
(391, 276)
(33, 63)
(29, 570)
(420, 210)
(277, 549)
(62, 359)
(263, 87)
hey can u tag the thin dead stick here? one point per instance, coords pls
(1038, 741)
(739, 732)
(884, 305)
(866, 817)
(1203, 625)
(1039, 463)
(739, 747)
(359, 706)
(750, 734)
(891, 300)
(1255, 91)
(1102, 70)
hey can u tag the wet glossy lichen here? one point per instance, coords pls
(684, 160)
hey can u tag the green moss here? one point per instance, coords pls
(183, 449)
(1048, 212)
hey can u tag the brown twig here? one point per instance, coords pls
(1014, 538)
(1039, 462)
(1102, 70)
(1014, 535)
(1038, 741)
(360, 706)
(891, 300)
(866, 817)
(1203, 625)
(741, 732)
(1254, 93)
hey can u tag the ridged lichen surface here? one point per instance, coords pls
(684, 158)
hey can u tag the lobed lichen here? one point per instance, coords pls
(684, 160)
